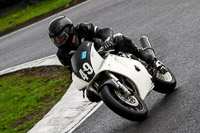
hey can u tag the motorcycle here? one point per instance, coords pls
(120, 80)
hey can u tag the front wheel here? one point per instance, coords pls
(165, 81)
(131, 107)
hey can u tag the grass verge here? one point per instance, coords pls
(23, 15)
(27, 95)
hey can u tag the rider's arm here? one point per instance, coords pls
(63, 57)
(91, 31)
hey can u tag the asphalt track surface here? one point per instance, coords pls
(173, 27)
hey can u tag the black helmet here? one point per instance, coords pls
(60, 30)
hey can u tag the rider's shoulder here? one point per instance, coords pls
(88, 26)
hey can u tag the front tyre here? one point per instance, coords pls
(165, 81)
(134, 109)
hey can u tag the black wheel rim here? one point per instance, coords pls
(137, 108)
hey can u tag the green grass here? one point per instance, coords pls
(19, 16)
(26, 96)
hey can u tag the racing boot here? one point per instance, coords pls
(145, 56)
(146, 51)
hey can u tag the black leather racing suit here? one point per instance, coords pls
(89, 32)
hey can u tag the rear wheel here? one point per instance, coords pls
(165, 81)
(131, 107)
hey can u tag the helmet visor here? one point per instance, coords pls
(60, 39)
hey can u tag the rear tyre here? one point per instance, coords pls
(135, 111)
(165, 83)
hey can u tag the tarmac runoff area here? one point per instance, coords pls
(68, 113)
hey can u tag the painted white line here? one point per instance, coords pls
(84, 118)
(46, 61)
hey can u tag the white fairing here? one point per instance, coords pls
(96, 61)
(124, 66)
(78, 83)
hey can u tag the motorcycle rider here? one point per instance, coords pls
(67, 38)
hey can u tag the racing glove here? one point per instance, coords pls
(108, 43)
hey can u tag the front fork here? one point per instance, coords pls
(122, 92)
(119, 84)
